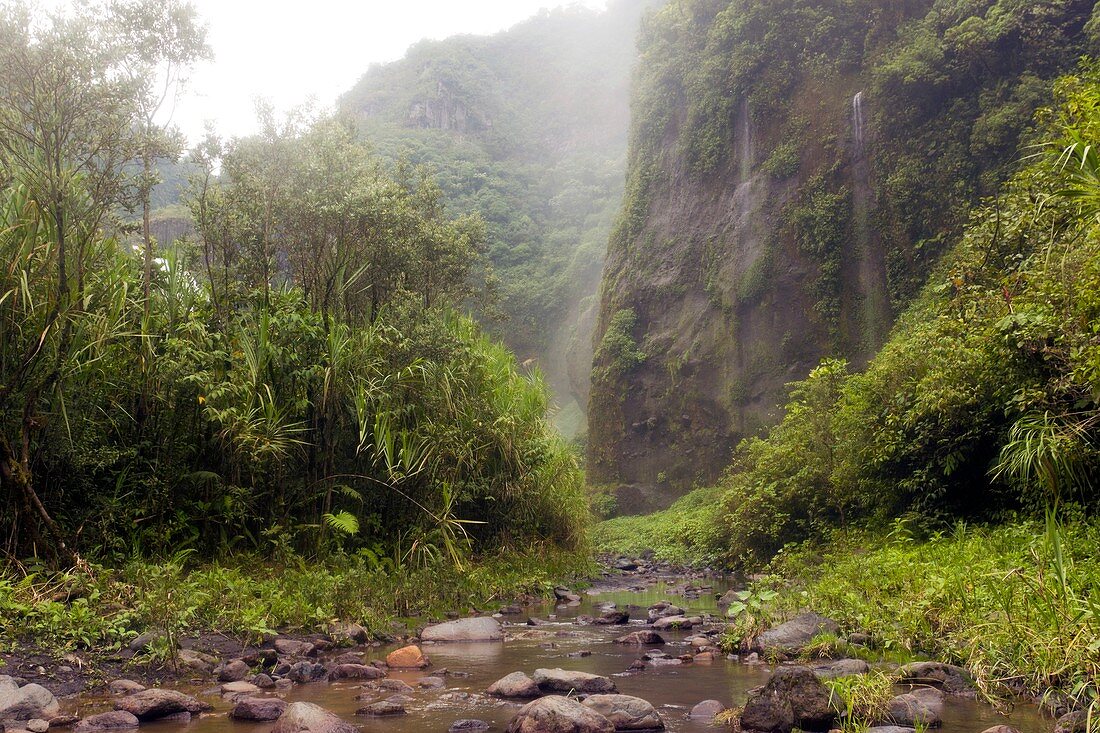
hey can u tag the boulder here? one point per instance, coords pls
(1001, 729)
(556, 714)
(951, 679)
(482, 628)
(157, 703)
(566, 595)
(196, 661)
(356, 672)
(625, 564)
(561, 680)
(295, 648)
(304, 672)
(921, 707)
(516, 685)
(305, 717)
(665, 623)
(431, 683)
(407, 657)
(729, 597)
(233, 671)
(792, 636)
(258, 708)
(706, 710)
(124, 687)
(640, 638)
(793, 696)
(663, 609)
(240, 687)
(468, 725)
(626, 712)
(382, 709)
(1075, 722)
(27, 702)
(395, 686)
(841, 668)
(343, 631)
(113, 720)
(612, 617)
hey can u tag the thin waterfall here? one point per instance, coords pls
(746, 141)
(857, 123)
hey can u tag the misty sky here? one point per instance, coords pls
(286, 51)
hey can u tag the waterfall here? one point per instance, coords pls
(746, 141)
(857, 123)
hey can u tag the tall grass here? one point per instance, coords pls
(1014, 604)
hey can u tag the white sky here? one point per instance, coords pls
(288, 51)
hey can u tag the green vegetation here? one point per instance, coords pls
(528, 129)
(290, 399)
(101, 609)
(933, 465)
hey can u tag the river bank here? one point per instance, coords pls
(675, 624)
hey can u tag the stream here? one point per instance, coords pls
(471, 667)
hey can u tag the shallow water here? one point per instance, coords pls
(672, 689)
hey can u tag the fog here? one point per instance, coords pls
(287, 52)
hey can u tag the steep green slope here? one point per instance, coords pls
(528, 128)
(795, 170)
(984, 402)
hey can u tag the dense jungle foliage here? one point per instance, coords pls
(296, 377)
(984, 402)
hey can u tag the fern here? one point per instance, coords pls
(343, 522)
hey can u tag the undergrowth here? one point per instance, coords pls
(103, 608)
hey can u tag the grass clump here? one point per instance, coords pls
(860, 700)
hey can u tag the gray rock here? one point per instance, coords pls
(641, 638)
(1001, 729)
(258, 708)
(37, 725)
(1075, 722)
(792, 636)
(304, 672)
(517, 685)
(564, 594)
(113, 720)
(673, 622)
(305, 717)
(793, 696)
(356, 672)
(481, 628)
(395, 686)
(431, 683)
(626, 712)
(26, 702)
(889, 729)
(841, 668)
(124, 687)
(556, 714)
(348, 631)
(196, 660)
(561, 680)
(240, 687)
(142, 642)
(382, 709)
(706, 710)
(468, 725)
(157, 703)
(263, 681)
(612, 617)
(233, 671)
(295, 648)
(921, 707)
(951, 679)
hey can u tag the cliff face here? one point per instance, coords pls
(794, 171)
(529, 129)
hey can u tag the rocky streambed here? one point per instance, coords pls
(638, 651)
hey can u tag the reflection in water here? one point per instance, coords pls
(673, 689)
